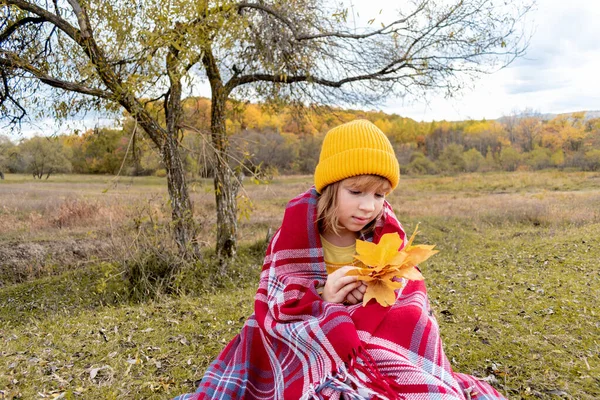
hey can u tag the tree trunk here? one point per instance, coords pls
(225, 182)
(184, 228)
(181, 204)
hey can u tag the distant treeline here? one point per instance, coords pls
(285, 140)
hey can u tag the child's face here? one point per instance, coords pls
(357, 206)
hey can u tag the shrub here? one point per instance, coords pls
(451, 160)
(420, 165)
(558, 158)
(592, 160)
(509, 158)
(74, 212)
(539, 158)
(473, 160)
(151, 273)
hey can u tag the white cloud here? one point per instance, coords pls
(558, 74)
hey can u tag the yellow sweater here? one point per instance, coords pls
(336, 256)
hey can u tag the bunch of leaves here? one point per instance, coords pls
(384, 265)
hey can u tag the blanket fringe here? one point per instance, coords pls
(341, 382)
(359, 379)
(370, 376)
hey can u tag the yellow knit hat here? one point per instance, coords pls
(356, 148)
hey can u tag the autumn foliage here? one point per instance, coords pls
(268, 140)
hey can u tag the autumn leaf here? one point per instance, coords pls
(384, 265)
(378, 255)
(382, 290)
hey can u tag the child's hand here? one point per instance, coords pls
(356, 296)
(338, 287)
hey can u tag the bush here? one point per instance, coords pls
(451, 160)
(153, 266)
(420, 165)
(509, 159)
(558, 158)
(473, 160)
(539, 158)
(151, 274)
(592, 160)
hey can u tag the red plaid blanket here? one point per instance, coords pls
(296, 345)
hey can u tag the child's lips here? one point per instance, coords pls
(361, 220)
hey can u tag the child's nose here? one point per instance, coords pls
(367, 204)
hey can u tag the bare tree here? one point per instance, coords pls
(528, 130)
(510, 122)
(118, 53)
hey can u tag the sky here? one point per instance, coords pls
(558, 74)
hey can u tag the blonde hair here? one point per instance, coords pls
(327, 203)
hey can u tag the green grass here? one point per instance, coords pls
(515, 288)
(152, 350)
(520, 304)
(77, 334)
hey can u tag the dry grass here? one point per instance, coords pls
(98, 207)
(538, 208)
(35, 209)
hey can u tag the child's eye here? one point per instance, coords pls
(380, 195)
(355, 192)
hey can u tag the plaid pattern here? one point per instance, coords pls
(297, 346)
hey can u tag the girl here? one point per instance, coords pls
(310, 336)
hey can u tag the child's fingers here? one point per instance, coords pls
(345, 281)
(362, 288)
(339, 285)
(352, 299)
(345, 290)
(357, 294)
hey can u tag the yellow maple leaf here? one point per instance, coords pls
(381, 289)
(384, 264)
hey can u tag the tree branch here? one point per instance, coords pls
(244, 79)
(82, 19)
(342, 35)
(22, 22)
(54, 19)
(5, 95)
(13, 61)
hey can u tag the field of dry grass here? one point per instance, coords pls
(77, 206)
(516, 285)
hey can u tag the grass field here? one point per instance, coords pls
(515, 287)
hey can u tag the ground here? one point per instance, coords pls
(515, 287)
